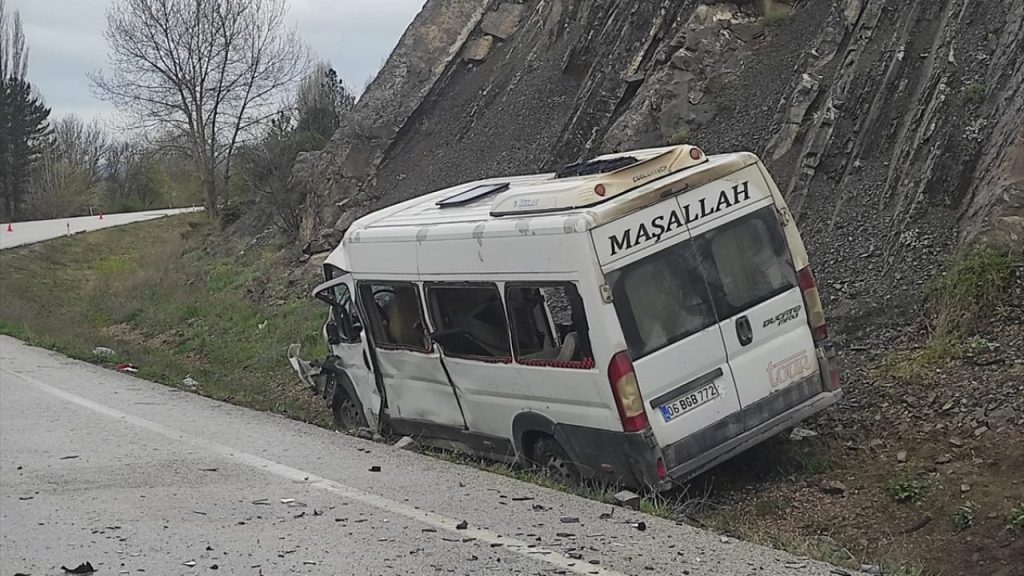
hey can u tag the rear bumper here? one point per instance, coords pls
(621, 458)
(684, 471)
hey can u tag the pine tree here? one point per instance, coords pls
(23, 117)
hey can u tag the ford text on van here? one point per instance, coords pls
(636, 318)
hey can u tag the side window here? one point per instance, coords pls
(470, 321)
(549, 325)
(394, 315)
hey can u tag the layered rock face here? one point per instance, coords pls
(894, 127)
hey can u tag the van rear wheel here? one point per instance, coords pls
(548, 455)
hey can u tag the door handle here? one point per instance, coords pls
(744, 332)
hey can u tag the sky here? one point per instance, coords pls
(65, 41)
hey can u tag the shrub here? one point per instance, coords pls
(908, 485)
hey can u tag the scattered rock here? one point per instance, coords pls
(83, 568)
(956, 442)
(871, 569)
(796, 565)
(901, 456)
(190, 382)
(477, 49)
(502, 23)
(944, 459)
(833, 487)
(801, 434)
(964, 488)
(462, 525)
(103, 352)
(569, 520)
(628, 499)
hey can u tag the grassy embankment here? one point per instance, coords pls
(174, 299)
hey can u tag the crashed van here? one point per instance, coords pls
(637, 318)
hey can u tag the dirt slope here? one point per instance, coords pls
(894, 127)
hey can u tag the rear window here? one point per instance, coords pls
(746, 262)
(687, 287)
(661, 299)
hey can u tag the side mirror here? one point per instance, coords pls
(333, 335)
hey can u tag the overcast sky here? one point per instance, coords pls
(65, 40)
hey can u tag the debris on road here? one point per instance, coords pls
(83, 568)
(190, 563)
(521, 498)
(190, 382)
(641, 526)
(406, 443)
(374, 468)
(569, 520)
(628, 499)
(261, 502)
(462, 525)
(69, 457)
(127, 367)
(103, 352)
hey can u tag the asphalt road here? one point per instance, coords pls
(139, 478)
(38, 230)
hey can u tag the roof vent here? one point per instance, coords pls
(587, 168)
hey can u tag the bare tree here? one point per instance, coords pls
(68, 174)
(13, 52)
(209, 70)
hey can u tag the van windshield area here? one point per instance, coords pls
(692, 285)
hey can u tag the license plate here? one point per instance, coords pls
(684, 404)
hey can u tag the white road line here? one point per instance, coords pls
(295, 475)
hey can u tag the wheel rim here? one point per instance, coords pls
(558, 468)
(348, 414)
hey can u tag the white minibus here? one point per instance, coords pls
(635, 319)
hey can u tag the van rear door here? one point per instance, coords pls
(753, 283)
(668, 320)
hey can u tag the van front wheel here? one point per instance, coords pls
(347, 414)
(548, 455)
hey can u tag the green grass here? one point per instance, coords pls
(1015, 519)
(964, 516)
(975, 289)
(175, 298)
(908, 485)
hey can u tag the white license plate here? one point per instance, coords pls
(684, 404)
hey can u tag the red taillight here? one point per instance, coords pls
(662, 472)
(812, 301)
(627, 393)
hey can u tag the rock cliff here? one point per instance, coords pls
(893, 126)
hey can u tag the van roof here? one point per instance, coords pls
(494, 199)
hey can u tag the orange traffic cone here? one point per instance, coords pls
(10, 227)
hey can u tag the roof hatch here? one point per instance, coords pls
(587, 183)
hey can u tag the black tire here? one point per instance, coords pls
(347, 412)
(549, 456)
